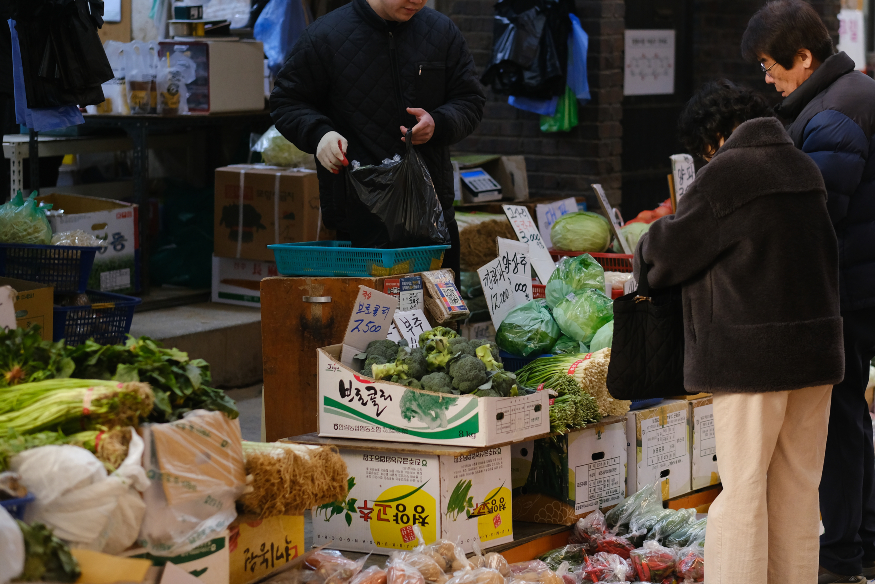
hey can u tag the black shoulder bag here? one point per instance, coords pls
(647, 354)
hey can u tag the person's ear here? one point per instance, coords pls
(806, 58)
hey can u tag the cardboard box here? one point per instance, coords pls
(34, 305)
(239, 281)
(117, 266)
(259, 547)
(230, 75)
(257, 205)
(703, 451)
(592, 473)
(209, 562)
(658, 447)
(396, 489)
(479, 330)
(508, 171)
(351, 406)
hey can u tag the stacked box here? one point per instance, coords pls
(658, 448)
(703, 447)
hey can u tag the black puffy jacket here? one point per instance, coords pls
(355, 73)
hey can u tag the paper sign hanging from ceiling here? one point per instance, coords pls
(528, 233)
(650, 62)
(371, 320)
(515, 261)
(548, 213)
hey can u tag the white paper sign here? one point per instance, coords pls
(112, 10)
(683, 172)
(371, 320)
(497, 289)
(410, 325)
(528, 233)
(852, 36)
(548, 213)
(612, 217)
(393, 335)
(515, 261)
(650, 63)
(7, 307)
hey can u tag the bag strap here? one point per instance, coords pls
(643, 290)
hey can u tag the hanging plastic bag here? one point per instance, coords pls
(544, 107)
(278, 27)
(24, 221)
(578, 43)
(115, 99)
(566, 114)
(528, 329)
(401, 193)
(11, 548)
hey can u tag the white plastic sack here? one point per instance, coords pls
(11, 548)
(86, 507)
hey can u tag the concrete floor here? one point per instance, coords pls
(249, 403)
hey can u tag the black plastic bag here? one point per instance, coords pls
(530, 48)
(401, 194)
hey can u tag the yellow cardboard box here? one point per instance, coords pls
(258, 547)
(34, 305)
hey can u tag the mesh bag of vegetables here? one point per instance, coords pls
(23, 221)
(527, 330)
(574, 275)
(581, 231)
(581, 315)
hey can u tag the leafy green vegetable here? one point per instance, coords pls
(581, 231)
(580, 315)
(574, 275)
(603, 338)
(632, 233)
(568, 346)
(16, 443)
(25, 357)
(528, 330)
(47, 558)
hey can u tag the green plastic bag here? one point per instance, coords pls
(23, 221)
(527, 330)
(568, 346)
(580, 316)
(565, 117)
(574, 275)
(603, 338)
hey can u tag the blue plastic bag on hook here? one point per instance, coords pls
(578, 43)
(279, 26)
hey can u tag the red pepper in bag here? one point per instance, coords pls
(613, 544)
(604, 567)
(691, 565)
(653, 563)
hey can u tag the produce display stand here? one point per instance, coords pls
(700, 499)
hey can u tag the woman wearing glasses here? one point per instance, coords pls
(754, 251)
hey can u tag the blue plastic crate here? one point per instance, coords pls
(643, 404)
(513, 363)
(17, 507)
(338, 259)
(107, 319)
(65, 267)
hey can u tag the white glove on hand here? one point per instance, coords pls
(331, 151)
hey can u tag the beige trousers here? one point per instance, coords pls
(763, 528)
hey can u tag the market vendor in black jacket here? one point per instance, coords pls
(830, 109)
(357, 80)
(754, 251)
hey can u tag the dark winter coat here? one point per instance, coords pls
(754, 250)
(355, 73)
(833, 121)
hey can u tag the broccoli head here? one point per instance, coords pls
(461, 345)
(411, 383)
(476, 343)
(485, 355)
(386, 349)
(390, 371)
(438, 331)
(370, 362)
(438, 382)
(504, 383)
(428, 408)
(468, 373)
(413, 362)
(487, 393)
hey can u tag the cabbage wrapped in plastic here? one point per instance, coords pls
(581, 231)
(568, 346)
(603, 338)
(23, 221)
(277, 151)
(580, 316)
(527, 330)
(574, 275)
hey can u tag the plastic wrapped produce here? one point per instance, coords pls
(624, 511)
(425, 564)
(615, 544)
(691, 564)
(574, 275)
(276, 150)
(603, 567)
(527, 330)
(574, 554)
(77, 238)
(372, 575)
(687, 535)
(400, 573)
(580, 315)
(589, 530)
(24, 221)
(671, 523)
(477, 576)
(653, 562)
(642, 522)
(535, 572)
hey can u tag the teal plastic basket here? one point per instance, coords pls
(338, 259)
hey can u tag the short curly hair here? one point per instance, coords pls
(716, 109)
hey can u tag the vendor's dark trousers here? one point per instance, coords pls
(847, 488)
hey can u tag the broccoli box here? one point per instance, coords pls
(449, 492)
(703, 451)
(658, 441)
(560, 479)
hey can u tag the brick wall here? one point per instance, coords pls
(561, 164)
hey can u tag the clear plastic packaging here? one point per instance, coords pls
(535, 572)
(653, 562)
(175, 72)
(574, 554)
(687, 535)
(24, 221)
(372, 575)
(581, 314)
(589, 530)
(623, 512)
(603, 567)
(574, 275)
(691, 564)
(276, 150)
(433, 572)
(141, 67)
(615, 544)
(478, 576)
(332, 567)
(399, 572)
(672, 523)
(76, 238)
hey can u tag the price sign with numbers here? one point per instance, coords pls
(498, 290)
(527, 232)
(371, 320)
(683, 171)
(410, 325)
(548, 213)
(515, 261)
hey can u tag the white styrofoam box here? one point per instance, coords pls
(658, 447)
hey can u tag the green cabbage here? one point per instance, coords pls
(580, 315)
(568, 346)
(632, 233)
(581, 231)
(277, 151)
(603, 338)
(574, 275)
(527, 330)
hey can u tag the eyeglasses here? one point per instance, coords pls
(766, 71)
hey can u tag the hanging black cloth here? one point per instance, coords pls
(530, 48)
(61, 54)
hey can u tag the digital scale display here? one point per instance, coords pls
(481, 186)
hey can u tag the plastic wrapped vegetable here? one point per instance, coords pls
(691, 564)
(332, 567)
(581, 231)
(568, 346)
(653, 563)
(687, 535)
(23, 221)
(528, 330)
(477, 576)
(568, 577)
(615, 544)
(642, 523)
(604, 567)
(372, 575)
(446, 554)
(574, 554)
(399, 572)
(425, 564)
(623, 512)
(535, 572)
(277, 151)
(574, 275)
(603, 339)
(671, 523)
(77, 238)
(580, 315)
(588, 530)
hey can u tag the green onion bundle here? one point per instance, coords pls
(574, 407)
(20, 396)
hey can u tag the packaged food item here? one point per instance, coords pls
(568, 577)
(623, 512)
(653, 562)
(399, 572)
(588, 530)
(672, 523)
(574, 554)
(498, 563)
(534, 571)
(425, 564)
(615, 544)
(604, 567)
(372, 575)
(691, 564)
(444, 301)
(478, 576)
(642, 522)
(687, 535)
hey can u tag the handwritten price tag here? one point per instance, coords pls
(549, 213)
(371, 320)
(515, 261)
(393, 335)
(498, 290)
(410, 325)
(684, 173)
(528, 233)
